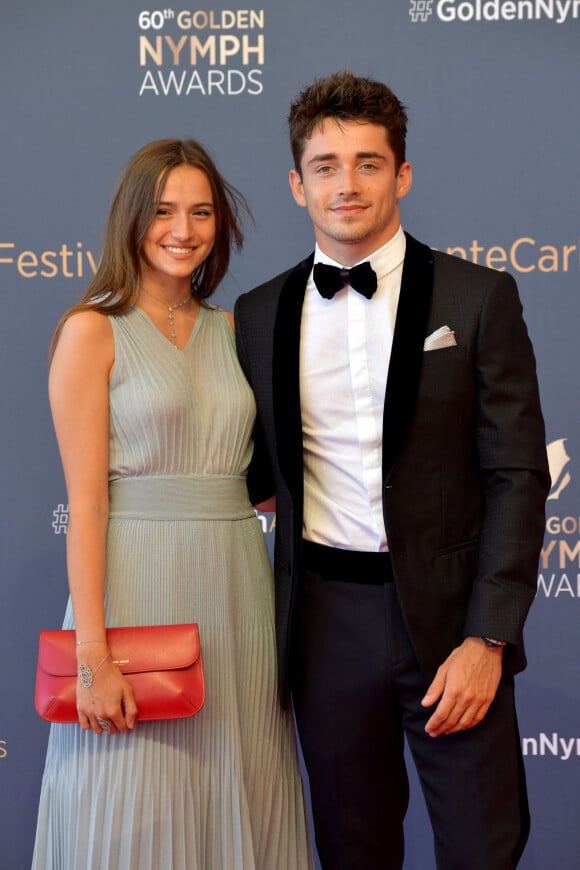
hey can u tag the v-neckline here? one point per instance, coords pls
(164, 338)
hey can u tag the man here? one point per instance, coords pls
(398, 408)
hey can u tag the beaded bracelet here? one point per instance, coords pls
(86, 674)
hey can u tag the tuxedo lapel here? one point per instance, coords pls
(286, 377)
(407, 350)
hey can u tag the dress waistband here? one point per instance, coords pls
(191, 497)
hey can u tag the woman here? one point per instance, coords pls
(153, 419)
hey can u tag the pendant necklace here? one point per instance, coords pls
(170, 310)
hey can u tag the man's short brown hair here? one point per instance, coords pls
(346, 97)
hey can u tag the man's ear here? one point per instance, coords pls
(297, 188)
(404, 180)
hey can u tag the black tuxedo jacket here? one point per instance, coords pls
(465, 475)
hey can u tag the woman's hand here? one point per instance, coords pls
(109, 704)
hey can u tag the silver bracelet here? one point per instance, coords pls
(80, 642)
(86, 674)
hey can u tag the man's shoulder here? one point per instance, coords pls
(453, 266)
(271, 288)
(271, 285)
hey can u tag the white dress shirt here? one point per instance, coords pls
(345, 348)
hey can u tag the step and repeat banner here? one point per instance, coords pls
(492, 92)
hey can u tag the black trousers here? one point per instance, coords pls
(357, 689)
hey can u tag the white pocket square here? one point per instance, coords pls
(442, 337)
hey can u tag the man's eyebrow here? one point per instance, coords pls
(321, 158)
(376, 155)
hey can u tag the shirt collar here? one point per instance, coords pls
(383, 261)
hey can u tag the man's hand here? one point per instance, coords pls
(466, 684)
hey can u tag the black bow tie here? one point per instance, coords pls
(330, 279)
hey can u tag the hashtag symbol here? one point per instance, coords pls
(60, 521)
(420, 10)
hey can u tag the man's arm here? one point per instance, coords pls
(510, 441)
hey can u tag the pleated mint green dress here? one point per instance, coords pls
(221, 790)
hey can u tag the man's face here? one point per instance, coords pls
(350, 187)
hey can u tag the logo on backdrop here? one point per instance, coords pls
(462, 11)
(201, 53)
(3, 749)
(558, 460)
(559, 574)
(60, 521)
(268, 523)
(522, 255)
(65, 261)
(420, 10)
(551, 745)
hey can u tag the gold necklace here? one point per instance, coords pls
(170, 310)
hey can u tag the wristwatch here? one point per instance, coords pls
(490, 641)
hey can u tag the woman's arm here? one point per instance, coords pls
(79, 399)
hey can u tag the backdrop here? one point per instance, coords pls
(492, 91)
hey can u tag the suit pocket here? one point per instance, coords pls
(456, 548)
(444, 354)
(455, 569)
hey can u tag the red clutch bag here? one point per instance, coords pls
(162, 663)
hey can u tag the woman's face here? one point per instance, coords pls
(182, 233)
